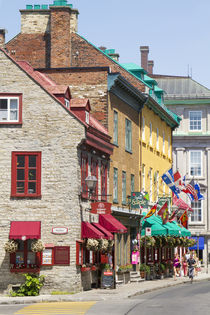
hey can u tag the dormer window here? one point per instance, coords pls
(87, 117)
(67, 103)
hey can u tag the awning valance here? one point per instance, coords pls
(200, 243)
(108, 235)
(25, 230)
(157, 229)
(90, 231)
(111, 224)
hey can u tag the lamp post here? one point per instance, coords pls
(91, 182)
(197, 234)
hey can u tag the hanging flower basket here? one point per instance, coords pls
(147, 241)
(170, 241)
(37, 246)
(103, 245)
(92, 244)
(11, 246)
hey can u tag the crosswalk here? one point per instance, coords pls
(57, 308)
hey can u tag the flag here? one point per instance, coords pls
(184, 219)
(163, 212)
(151, 212)
(177, 179)
(173, 215)
(181, 204)
(197, 188)
(168, 178)
(190, 191)
(146, 196)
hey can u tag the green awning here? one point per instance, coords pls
(183, 231)
(157, 229)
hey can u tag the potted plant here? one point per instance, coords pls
(143, 270)
(85, 268)
(162, 269)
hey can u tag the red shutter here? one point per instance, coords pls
(61, 255)
(13, 258)
(79, 249)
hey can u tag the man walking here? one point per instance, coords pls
(191, 265)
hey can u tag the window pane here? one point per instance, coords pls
(20, 174)
(195, 120)
(20, 245)
(195, 163)
(32, 174)
(13, 115)
(31, 258)
(32, 161)
(31, 188)
(20, 187)
(123, 187)
(13, 104)
(3, 110)
(21, 161)
(115, 184)
(115, 139)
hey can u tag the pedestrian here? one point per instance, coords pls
(191, 265)
(176, 265)
(196, 263)
(184, 265)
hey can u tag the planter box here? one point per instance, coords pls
(123, 276)
(84, 269)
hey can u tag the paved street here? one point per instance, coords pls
(184, 298)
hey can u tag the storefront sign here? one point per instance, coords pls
(101, 208)
(135, 258)
(47, 256)
(148, 231)
(162, 201)
(139, 199)
(107, 279)
(59, 230)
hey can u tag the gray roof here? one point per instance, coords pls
(181, 87)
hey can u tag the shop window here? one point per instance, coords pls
(84, 174)
(61, 255)
(26, 174)
(79, 253)
(103, 181)
(94, 172)
(24, 259)
(10, 108)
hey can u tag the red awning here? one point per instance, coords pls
(25, 230)
(111, 224)
(108, 235)
(89, 231)
(181, 204)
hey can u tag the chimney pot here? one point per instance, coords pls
(150, 66)
(144, 56)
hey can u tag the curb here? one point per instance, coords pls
(67, 298)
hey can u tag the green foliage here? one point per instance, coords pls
(147, 241)
(145, 268)
(162, 267)
(61, 293)
(126, 267)
(106, 266)
(158, 241)
(31, 287)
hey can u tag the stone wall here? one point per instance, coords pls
(49, 128)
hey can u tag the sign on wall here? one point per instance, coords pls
(139, 200)
(47, 256)
(101, 208)
(59, 230)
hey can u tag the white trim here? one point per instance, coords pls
(195, 130)
(9, 98)
(196, 176)
(197, 222)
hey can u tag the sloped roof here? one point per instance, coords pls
(97, 125)
(181, 87)
(79, 102)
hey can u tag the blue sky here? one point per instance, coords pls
(177, 32)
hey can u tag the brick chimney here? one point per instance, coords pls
(60, 54)
(150, 66)
(2, 38)
(144, 56)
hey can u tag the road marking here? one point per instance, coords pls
(58, 308)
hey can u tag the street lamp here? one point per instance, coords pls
(91, 182)
(197, 234)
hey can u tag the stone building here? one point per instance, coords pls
(49, 144)
(117, 97)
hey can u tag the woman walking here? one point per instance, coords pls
(176, 265)
(191, 265)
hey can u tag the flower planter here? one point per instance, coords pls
(94, 268)
(84, 269)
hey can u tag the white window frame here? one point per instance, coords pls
(87, 117)
(157, 140)
(115, 130)
(67, 103)
(9, 98)
(201, 209)
(150, 133)
(190, 164)
(195, 111)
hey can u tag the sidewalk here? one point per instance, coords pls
(122, 292)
